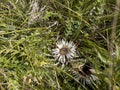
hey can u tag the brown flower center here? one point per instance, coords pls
(64, 50)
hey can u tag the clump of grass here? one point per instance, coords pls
(29, 30)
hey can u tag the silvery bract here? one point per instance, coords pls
(64, 51)
(87, 79)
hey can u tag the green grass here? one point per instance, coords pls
(28, 35)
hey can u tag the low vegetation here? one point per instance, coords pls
(59, 45)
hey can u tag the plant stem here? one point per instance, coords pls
(112, 44)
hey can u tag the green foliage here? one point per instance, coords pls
(27, 40)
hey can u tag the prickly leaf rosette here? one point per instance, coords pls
(64, 51)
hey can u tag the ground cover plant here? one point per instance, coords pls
(59, 45)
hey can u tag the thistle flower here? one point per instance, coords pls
(84, 74)
(64, 51)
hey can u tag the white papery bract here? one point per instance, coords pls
(88, 79)
(64, 51)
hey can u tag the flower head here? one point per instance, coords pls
(64, 51)
(85, 74)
